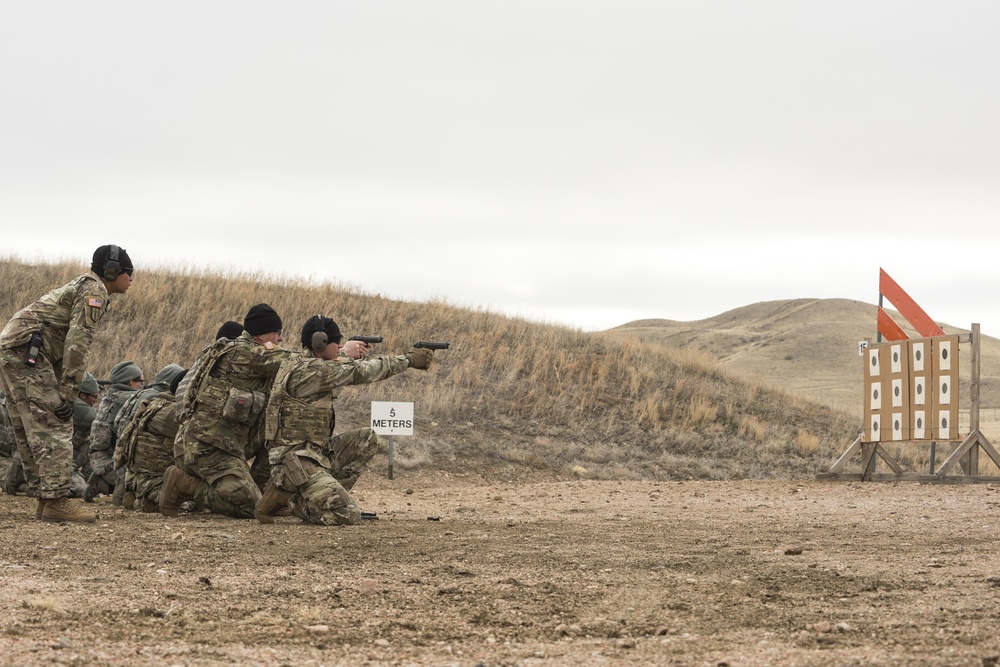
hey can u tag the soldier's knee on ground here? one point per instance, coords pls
(325, 501)
(234, 496)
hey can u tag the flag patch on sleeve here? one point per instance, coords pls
(95, 302)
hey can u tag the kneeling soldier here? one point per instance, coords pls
(313, 470)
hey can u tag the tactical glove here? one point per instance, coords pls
(65, 411)
(69, 390)
(420, 357)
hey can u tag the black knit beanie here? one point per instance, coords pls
(229, 330)
(261, 319)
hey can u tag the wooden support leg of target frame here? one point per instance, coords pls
(888, 458)
(868, 450)
(974, 439)
(846, 456)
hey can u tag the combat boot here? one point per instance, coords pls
(39, 508)
(128, 501)
(273, 499)
(61, 509)
(178, 486)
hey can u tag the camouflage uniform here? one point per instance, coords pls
(70, 315)
(219, 432)
(146, 447)
(83, 419)
(160, 384)
(307, 460)
(103, 438)
(8, 449)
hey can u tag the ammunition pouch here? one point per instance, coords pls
(243, 406)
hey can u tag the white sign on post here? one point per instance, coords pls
(390, 418)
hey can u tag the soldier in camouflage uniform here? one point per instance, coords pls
(126, 379)
(41, 387)
(164, 378)
(83, 418)
(125, 494)
(221, 406)
(146, 441)
(229, 330)
(8, 448)
(313, 470)
(222, 410)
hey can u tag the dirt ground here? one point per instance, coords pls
(556, 573)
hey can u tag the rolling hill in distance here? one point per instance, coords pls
(808, 347)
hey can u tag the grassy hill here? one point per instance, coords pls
(511, 399)
(809, 347)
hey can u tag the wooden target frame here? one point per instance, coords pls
(912, 396)
(925, 411)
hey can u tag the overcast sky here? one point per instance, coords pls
(577, 162)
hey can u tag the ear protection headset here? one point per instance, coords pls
(112, 267)
(319, 339)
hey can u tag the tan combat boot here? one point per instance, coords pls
(61, 509)
(271, 502)
(39, 508)
(128, 501)
(178, 486)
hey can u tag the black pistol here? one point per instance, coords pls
(431, 346)
(367, 340)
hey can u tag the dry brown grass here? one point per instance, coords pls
(510, 398)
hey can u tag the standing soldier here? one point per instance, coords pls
(126, 379)
(43, 355)
(312, 469)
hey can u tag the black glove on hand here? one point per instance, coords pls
(65, 411)
(420, 357)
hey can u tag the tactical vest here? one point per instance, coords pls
(293, 421)
(141, 448)
(131, 404)
(103, 427)
(215, 390)
(199, 375)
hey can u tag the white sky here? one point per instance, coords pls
(577, 162)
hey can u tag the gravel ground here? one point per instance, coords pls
(460, 571)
